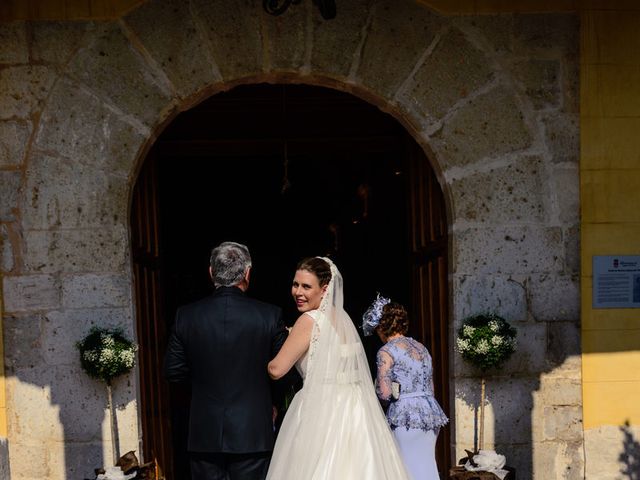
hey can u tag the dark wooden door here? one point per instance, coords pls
(430, 297)
(151, 329)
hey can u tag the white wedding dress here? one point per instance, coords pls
(335, 428)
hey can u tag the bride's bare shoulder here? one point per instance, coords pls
(311, 314)
(305, 320)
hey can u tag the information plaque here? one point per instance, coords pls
(616, 281)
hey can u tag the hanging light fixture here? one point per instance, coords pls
(278, 7)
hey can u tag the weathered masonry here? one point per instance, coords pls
(493, 99)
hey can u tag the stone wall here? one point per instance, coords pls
(492, 99)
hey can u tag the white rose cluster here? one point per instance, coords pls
(482, 347)
(486, 340)
(106, 354)
(463, 344)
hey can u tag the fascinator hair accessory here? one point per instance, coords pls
(371, 318)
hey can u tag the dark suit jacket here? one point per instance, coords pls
(222, 345)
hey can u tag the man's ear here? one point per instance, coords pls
(211, 273)
(247, 275)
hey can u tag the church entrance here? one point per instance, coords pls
(290, 171)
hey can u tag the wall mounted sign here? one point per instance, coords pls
(616, 281)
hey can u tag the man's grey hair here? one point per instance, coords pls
(229, 263)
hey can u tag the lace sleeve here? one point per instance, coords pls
(384, 380)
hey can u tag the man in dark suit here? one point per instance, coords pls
(222, 345)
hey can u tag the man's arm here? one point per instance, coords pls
(279, 335)
(279, 388)
(296, 345)
(176, 368)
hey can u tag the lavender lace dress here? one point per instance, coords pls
(415, 416)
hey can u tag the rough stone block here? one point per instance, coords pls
(571, 465)
(29, 406)
(124, 397)
(530, 354)
(571, 367)
(467, 398)
(4, 458)
(9, 186)
(563, 342)
(508, 250)
(70, 405)
(571, 237)
(399, 34)
(61, 192)
(451, 72)
(540, 81)
(7, 261)
(233, 29)
(14, 136)
(554, 297)
(30, 292)
(13, 43)
(518, 456)
(31, 459)
(23, 342)
(169, 33)
(79, 127)
(488, 126)
(100, 250)
(22, 89)
(79, 459)
(285, 38)
(495, 31)
(111, 67)
(95, 290)
(561, 392)
(496, 293)
(82, 403)
(62, 329)
(563, 423)
(55, 42)
(542, 34)
(546, 456)
(566, 182)
(511, 403)
(507, 411)
(571, 84)
(335, 42)
(562, 135)
(514, 193)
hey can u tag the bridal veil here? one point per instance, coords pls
(335, 427)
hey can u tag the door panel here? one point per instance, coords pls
(154, 408)
(428, 234)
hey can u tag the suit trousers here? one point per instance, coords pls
(229, 466)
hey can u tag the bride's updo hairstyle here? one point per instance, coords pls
(394, 320)
(318, 267)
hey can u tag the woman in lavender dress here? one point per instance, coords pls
(405, 384)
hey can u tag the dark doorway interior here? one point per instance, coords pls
(291, 171)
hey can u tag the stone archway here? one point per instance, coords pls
(499, 138)
(330, 138)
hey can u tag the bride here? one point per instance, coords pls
(334, 427)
